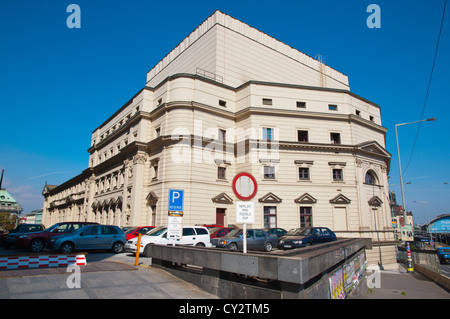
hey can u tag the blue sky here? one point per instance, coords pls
(58, 84)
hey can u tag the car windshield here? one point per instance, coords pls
(52, 227)
(299, 232)
(213, 230)
(445, 250)
(234, 233)
(156, 231)
(132, 229)
(79, 230)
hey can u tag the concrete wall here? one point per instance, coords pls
(298, 274)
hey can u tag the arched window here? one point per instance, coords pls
(371, 178)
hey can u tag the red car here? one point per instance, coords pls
(36, 241)
(135, 231)
(212, 226)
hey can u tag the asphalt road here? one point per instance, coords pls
(445, 270)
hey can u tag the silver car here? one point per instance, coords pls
(90, 237)
(257, 239)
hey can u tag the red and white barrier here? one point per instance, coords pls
(41, 261)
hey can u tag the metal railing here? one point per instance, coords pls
(426, 258)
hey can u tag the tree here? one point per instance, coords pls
(9, 220)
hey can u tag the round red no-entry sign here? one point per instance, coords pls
(244, 186)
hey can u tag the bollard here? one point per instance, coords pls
(409, 262)
(138, 248)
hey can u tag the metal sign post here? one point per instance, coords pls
(174, 228)
(175, 219)
(245, 214)
(176, 197)
(245, 187)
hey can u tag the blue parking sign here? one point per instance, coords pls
(176, 199)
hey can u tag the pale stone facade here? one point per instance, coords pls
(230, 99)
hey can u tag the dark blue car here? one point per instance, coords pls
(444, 254)
(305, 237)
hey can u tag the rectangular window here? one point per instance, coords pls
(303, 173)
(269, 172)
(267, 133)
(267, 101)
(338, 175)
(305, 217)
(301, 104)
(332, 107)
(222, 135)
(302, 136)
(270, 216)
(222, 103)
(155, 171)
(335, 138)
(221, 172)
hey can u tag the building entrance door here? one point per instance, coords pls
(340, 218)
(220, 216)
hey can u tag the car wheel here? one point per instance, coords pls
(200, 245)
(233, 246)
(67, 247)
(37, 245)
(146, 250)
(268, 246)
(308, 245)
(117, 247)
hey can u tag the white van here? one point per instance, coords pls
(192, 236)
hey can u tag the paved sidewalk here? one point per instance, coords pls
(396, 283)
(105, 279)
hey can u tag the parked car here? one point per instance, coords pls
(257, 239)
(192, 236)
(443, 254)
(3, 234)
(22, 231)
(305, 237)
(90, 237)
(219, 232)
(37, 241)
(276, 231)
(135, 231)
(211, 226)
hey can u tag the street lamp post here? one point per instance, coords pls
(400, 164)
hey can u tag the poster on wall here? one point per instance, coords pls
(346, 278)
(352, 271)
(337, 285)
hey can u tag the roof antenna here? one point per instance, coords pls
(1, 179)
